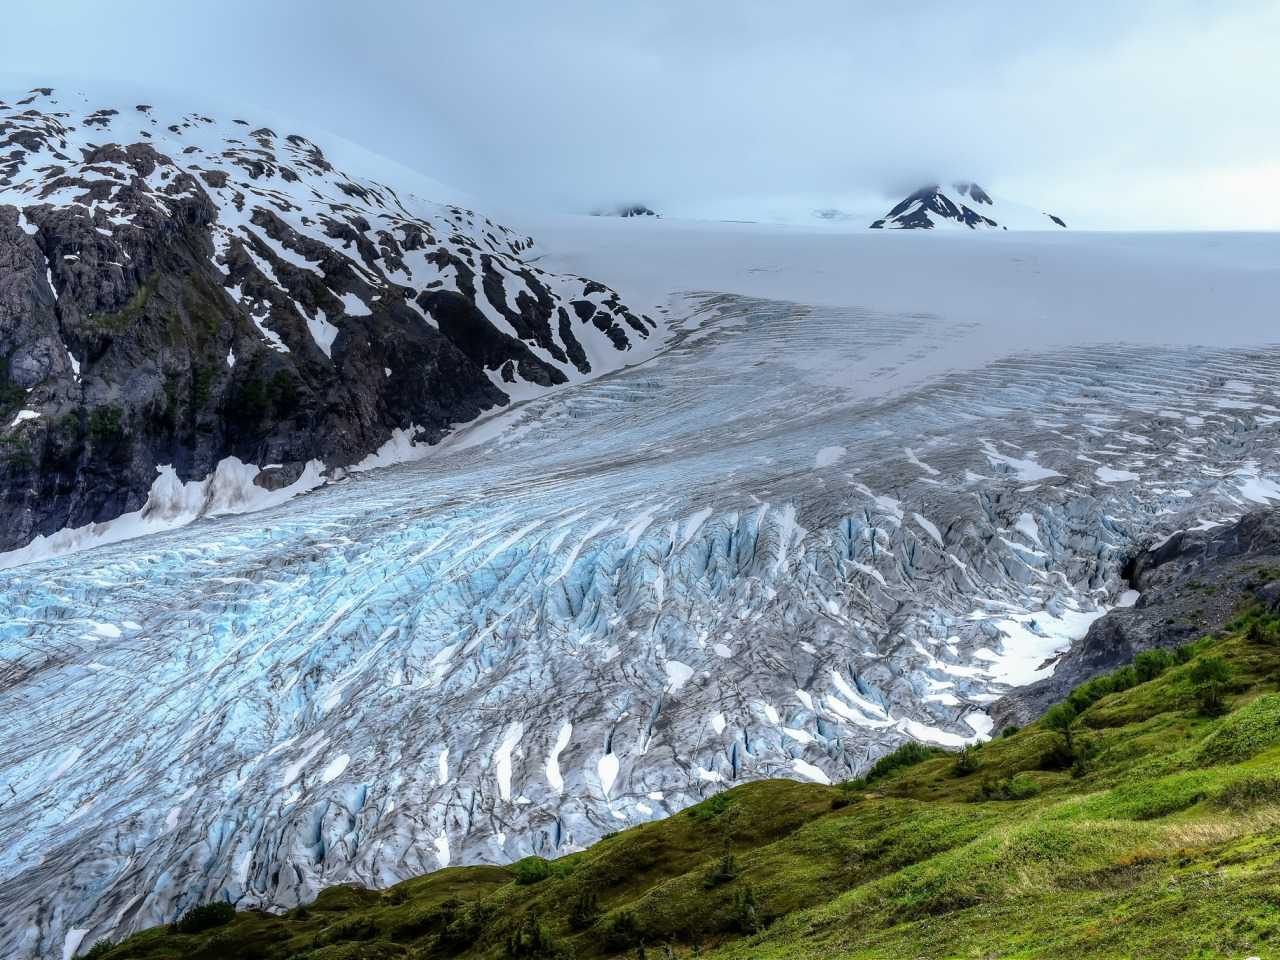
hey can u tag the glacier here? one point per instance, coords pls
(787, 542)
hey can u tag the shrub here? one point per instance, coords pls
(1010, 788)
(205, 917)
(711, 808)
(966, 762)
(100, 948)
(532, 870)
(742, 910)
(1251, 791)
(1151, 799)
(1245, 733)
(722, 871)
(11, 395)
(530, 941)
(1183, 653)
(282, 392)
(1264, 630)
(1010, 730)
(585, 911)
(104, 425)
(464, 924)
(621, 931)
(1061, 719)
(1150, 664)
(907, 755)
(1207, 678)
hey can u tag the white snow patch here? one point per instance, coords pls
(1026, 526)
(1028, 471)
(67, 763)
(607, 769)
(827, 456)
(324, 333)
(980, 723)
(335, 767)
(553, 761)
(354, 306)
(1030, 640)
(1109, 475)
(71, 943)
(170, 504)
(1256, 487)
(928, 528)
(442, 848)
(927, 734)
(678, 674)
(810, 771)
(502, 757)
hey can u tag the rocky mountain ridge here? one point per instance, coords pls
(964, 205)
(185, 293)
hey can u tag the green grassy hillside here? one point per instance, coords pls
(1147, 824)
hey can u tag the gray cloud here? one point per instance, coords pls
(1130, 114)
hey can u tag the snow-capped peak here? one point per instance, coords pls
(962, 205)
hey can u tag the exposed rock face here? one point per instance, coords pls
(1189, 585)
(629, 210)
(973, 207)
(180, 293)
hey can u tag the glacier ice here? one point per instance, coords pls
(618, 599)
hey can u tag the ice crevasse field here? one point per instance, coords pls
(869, 482)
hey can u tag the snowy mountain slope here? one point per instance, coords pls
(777, 549)
(215, 297)
(963, 205)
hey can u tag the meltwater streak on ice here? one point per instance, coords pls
(636, 591)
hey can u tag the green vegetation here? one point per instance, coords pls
(133, 311)
(201, 378)
(205, 917)
(283, 393)
(1159, 838)
(907, 755)
(11, 395)
(104, 425)
(100, 948)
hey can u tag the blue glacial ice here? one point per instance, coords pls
(766, 552)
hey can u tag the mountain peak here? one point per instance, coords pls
(964, 204)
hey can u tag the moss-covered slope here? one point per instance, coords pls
(1154, 832)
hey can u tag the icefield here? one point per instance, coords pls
(768, 551)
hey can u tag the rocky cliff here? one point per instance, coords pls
(1188, 585)
(176, 291)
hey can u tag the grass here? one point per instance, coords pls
(1161, 838)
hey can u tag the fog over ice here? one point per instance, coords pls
(1132, 114)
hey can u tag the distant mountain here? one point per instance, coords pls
(972, 207)
(628, 210)
(214, 299)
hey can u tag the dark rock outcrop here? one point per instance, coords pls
(184, 293)
(1188, 586)
(930, 205)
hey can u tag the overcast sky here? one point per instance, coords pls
(1137, 114)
